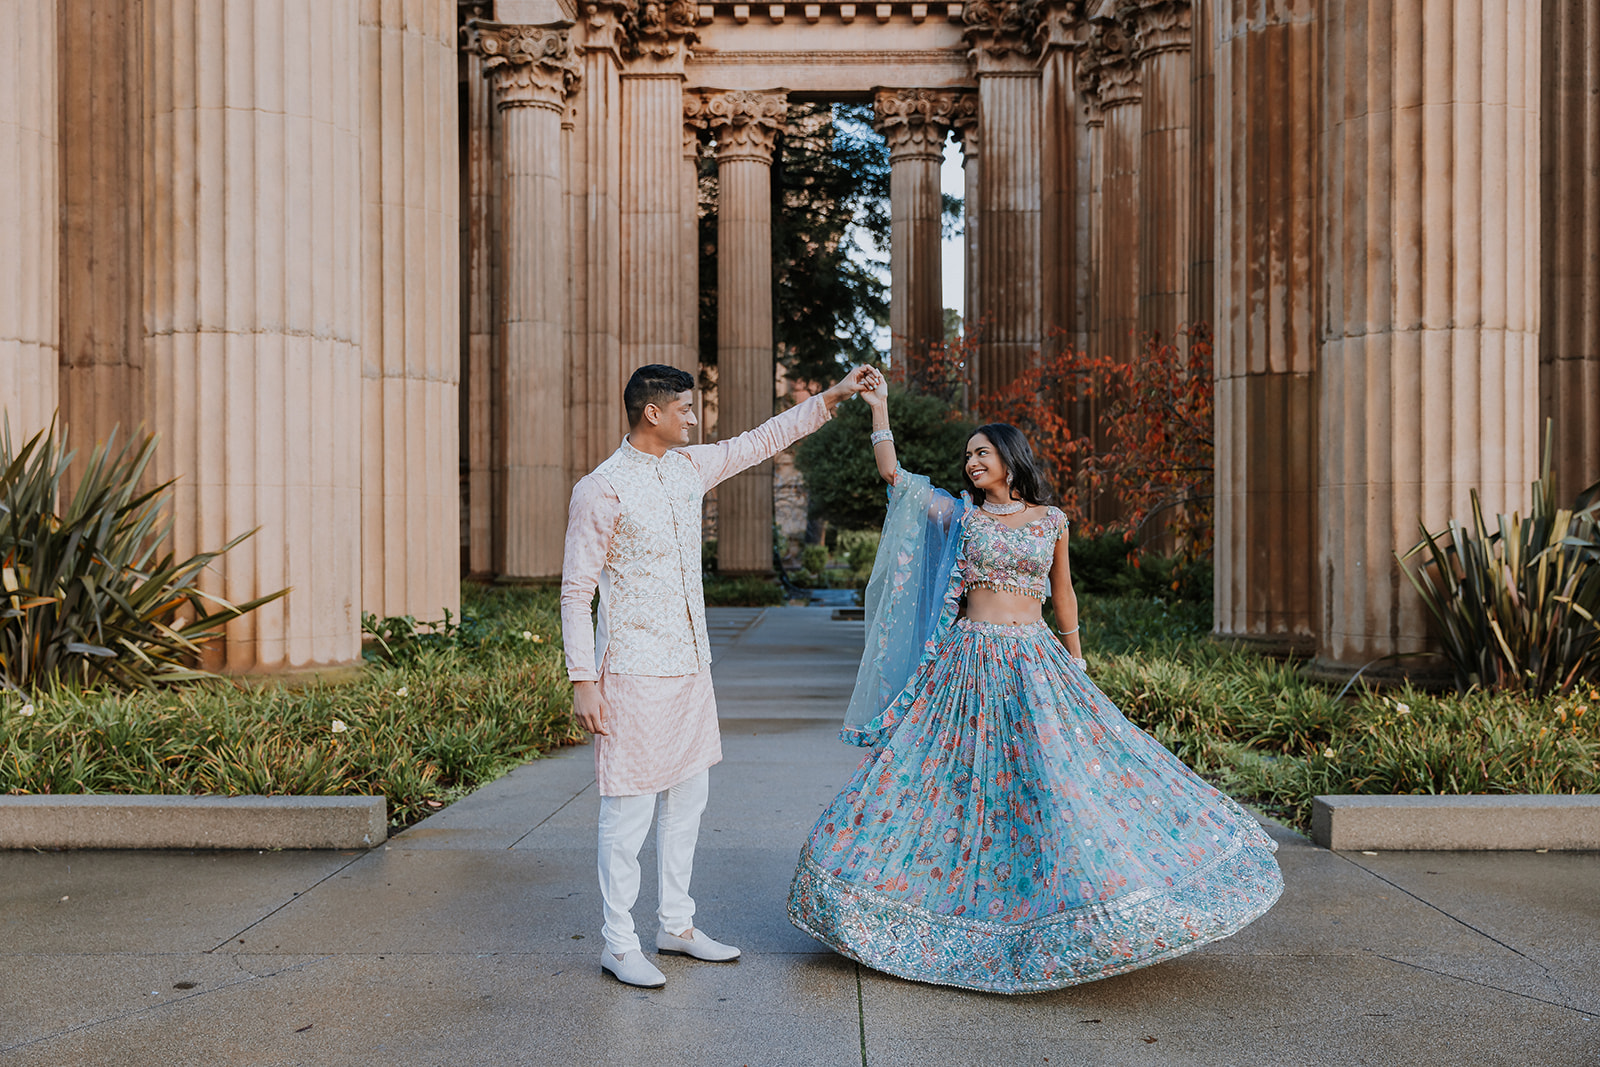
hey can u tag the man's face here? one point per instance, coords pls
(675, 419)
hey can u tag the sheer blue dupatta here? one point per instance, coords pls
(906, 597)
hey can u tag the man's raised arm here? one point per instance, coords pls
(721, 461)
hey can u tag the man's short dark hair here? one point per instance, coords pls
(655, 384)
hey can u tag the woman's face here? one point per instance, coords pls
(985, 469)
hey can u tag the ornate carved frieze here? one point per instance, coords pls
(696, 120)
(915, 122)
(1000, 33)
(745, 124)
(527, 66)
(1109, 71)
(1157, 25)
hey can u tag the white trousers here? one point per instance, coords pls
(624, 822)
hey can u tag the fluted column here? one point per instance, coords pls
(745, 125)
(1203, 162)
(1094, 121)
(480, 363)
(1009, 255)
(101, 163)
(653, 320)
(689, 273)
(915, 123)
(1428, 365)
(1569, 347)
(411, 331)
(1118, 95)
(531, 70)
(1160, 32)
(965, 124)
(1266, 333)
(252, 313)
(29, 215)
(1065, 165)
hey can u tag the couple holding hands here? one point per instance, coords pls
(1007, 829)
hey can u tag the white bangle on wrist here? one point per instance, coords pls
(880, 436)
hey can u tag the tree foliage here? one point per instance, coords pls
(842, 476)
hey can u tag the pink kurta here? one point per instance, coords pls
(662, 729)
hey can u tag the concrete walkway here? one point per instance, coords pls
(472, 939)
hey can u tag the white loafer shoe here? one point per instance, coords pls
(695, 943)
(633, 969)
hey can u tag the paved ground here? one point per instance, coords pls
(472, 939)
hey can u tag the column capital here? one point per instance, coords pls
(527, 66)
(915, 121)
(659, 35)
(1062, 26)
(1108, 72)
(1000, 34)
(964, 121)
(695, 121)
(1157, 26)
(745, 123)
(602, 27)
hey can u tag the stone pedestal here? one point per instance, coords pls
(1266, 333)
(1569, 343)
(29, 216)
(102, 161)
(745, 126)
(531, 70)
(915, 123)
(411, 330)
(1428, 365)
(1009, 193)
(1160, 30)
(252, 310)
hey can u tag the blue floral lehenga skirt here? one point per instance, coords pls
(1015, 833)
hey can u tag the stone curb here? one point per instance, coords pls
(1449, 823)
(145, 821)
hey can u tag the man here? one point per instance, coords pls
(642, 686)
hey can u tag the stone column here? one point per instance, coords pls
(1065, 165)
(531, 69)
(411, 331)
(480, 363)
(745, 126)
(1569, 343)
(599, 140)
(1428, 365)
(965, 124)
(1118, 94)
(252, 310)
(1009, 255)
(1094, 121)
(1160, 32)
(1203, 163)
(689, 216)
(29, 216)
(915, 122)
(101, 161)
(1266, 335)
(653, 320)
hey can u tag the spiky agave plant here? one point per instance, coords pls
(87, 592)
(1517, 607)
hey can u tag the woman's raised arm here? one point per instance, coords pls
(877, 398)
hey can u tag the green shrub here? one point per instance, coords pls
(89, 597)
(429, 724)
(744, 591)
(1516, 608)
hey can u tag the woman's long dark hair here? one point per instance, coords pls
(1027, 477)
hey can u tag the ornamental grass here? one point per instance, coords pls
(437, 712)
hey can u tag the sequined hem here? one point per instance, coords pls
(1035, 629)
(1078, 945)
(1040, 595)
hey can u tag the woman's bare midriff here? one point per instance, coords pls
(1011, 609)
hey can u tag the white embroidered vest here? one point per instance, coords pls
(652, 605)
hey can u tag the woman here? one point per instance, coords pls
(1010, 830)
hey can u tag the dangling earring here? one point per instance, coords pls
(1008, 484)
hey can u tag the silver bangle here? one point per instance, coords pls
(880, 436)
(1074, 630)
